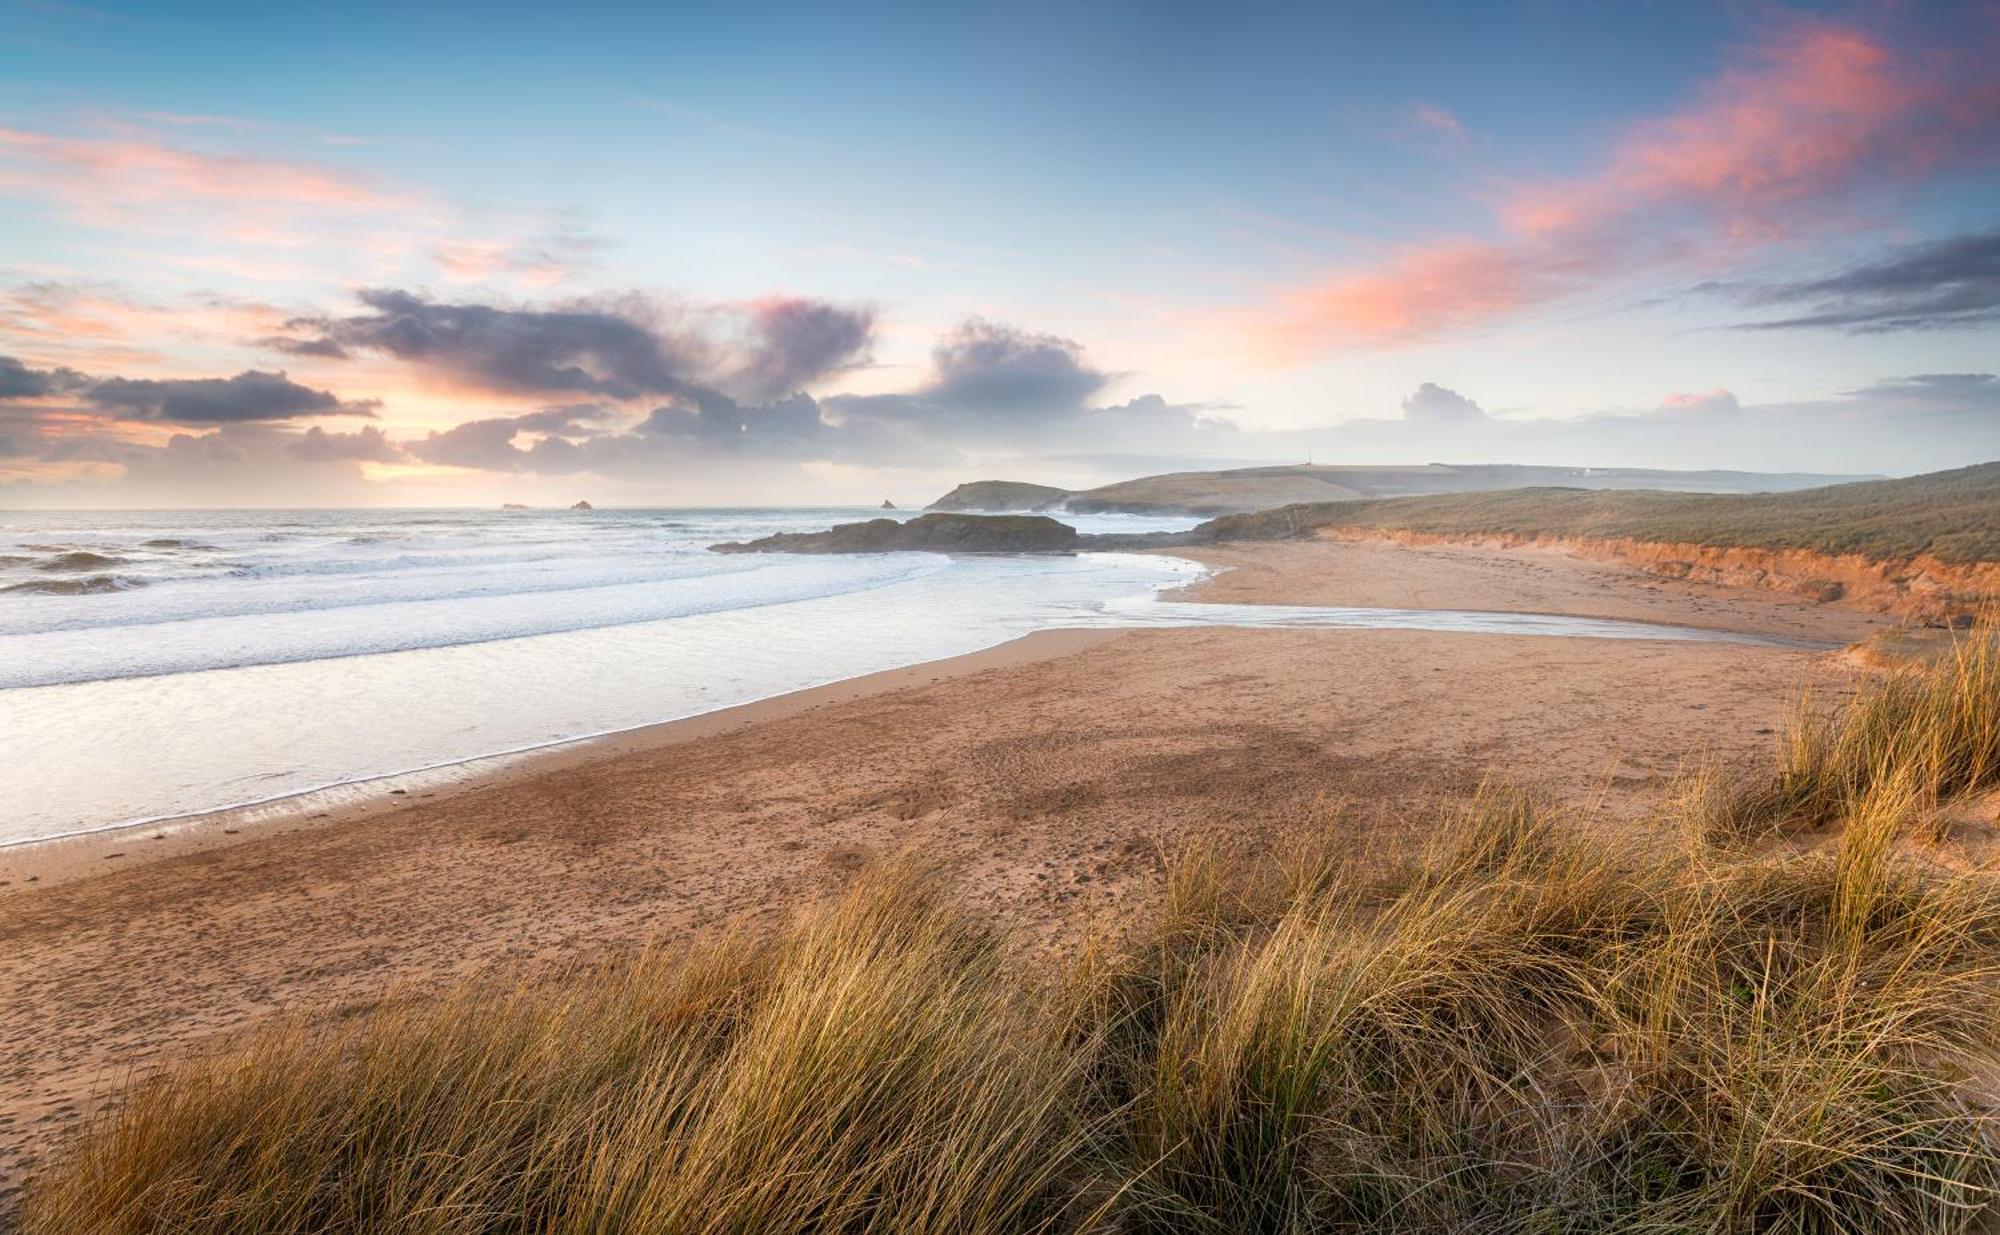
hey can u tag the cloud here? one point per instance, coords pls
(100, 325)
(367, 444)
(489, 444)
(620, 348)
(1434, 404)
(1711, 402)
(991, 386)
(1917, 423)
(1437, 120)
(252, 395)
(1793, 125)
(1945, 284)
(322, 348)
(998, 386)
(1969, 393)
(18, 381)
(111, 181)
(552, 255)
(794, 342)
(999, 370)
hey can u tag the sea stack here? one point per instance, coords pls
(583, 506)
(887, 504)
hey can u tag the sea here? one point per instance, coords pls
(158, 665)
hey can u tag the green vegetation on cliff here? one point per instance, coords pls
(1953, 516)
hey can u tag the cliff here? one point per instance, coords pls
(999, 495)
(1925, 547)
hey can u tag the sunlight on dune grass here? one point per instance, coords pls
(1520, 1028)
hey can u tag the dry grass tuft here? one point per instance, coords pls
(1519, 1029)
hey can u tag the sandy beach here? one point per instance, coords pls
(1047, 775)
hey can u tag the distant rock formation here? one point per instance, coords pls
(512, 506)
(999, 495)
(935, 533)
(583, 506)
(887, 504)
(1244, 489)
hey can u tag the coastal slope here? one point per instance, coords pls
(1925, 547)
(1260, 488)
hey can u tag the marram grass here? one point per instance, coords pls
(1520, 1029)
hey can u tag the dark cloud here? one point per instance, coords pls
(997, 370)
(796, 342)
(18, 381)
(252, 395)
(1944, 284)
(788, 426)
(623, 348)
(367, 444)
(1933, 392)
(322, 347)
(995, 385)
(1435, 404)
(489, 444)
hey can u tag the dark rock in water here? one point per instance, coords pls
(931, 533)
(583, 506)
(512, 506)
(887, 504)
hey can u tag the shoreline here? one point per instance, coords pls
(1047, 774)
(51, 861)
(37, 863)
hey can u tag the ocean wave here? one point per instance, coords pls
(97, 653)
(89, 586)
(79, 559)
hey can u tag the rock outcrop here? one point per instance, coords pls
(583, 506)
(934, 533)
(999, 495)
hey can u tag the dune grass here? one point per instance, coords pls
(1520, 1028)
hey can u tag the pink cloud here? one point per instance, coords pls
(1716, 400)
(1438, 120)
(1767, 147)
(91, 174)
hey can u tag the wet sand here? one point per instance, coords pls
(1048, 775)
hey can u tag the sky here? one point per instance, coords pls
(373, 254)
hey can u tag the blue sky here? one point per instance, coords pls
(1276, 222)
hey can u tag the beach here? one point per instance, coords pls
(1046, 776)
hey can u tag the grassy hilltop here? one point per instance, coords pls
(1260, 488)
(1953, 516)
